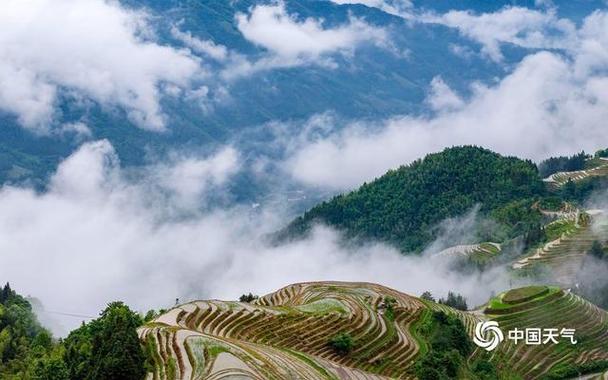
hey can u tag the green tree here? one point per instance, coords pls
(449, 346)
(427, 296)
(107, 348)
(50, 368)
(569, 190)
(116, 352)
(342, 343)
(558, 164)
(248, 298)
(457, 301)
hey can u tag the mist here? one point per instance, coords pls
(99, 233)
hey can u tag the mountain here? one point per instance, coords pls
(374, 82)
(335, 330)
(403, 206)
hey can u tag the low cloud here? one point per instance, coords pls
(91, 48)
(292, 42)
(401, 8)
(188, 179)
(102, 233)
(206, 47)
(549, 104)
(442, 97)
(552, 102)
(519, 26)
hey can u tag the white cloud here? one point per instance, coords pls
(515, 25)
(442, 97)
(543, 108)
(401, 8)
(206, 47)
(591, 51)
(189, 178)
(94, 47)
(292, 42)
(520, 26)
(100, 234)
(79, 130)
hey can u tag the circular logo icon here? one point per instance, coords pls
(488, 335)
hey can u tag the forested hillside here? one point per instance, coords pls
(404, 205)
(105, 348)
(24, 343)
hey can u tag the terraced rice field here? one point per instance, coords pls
(479, 252)
(285, 335)
(563, 256)
(553, 308)
(559, 179)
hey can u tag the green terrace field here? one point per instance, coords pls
(287, 334)
(479, 253)
(596, 167)
(570, 240)
(549, 307)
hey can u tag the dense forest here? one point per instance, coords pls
(105, 348)
(24, 343)
(404, 205)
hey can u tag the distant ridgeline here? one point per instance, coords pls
(404, 206)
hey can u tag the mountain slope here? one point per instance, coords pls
(550, 307)
(403, 206)
(288, 334)
(373, 82)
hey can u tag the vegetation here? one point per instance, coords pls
(571, 371)
(106, 348)
(427, 296)
(601, 153)
(449, 347)
(342, 343)
(520, 218)
(456, 301)
(27, 350)
(562, 164)
(248, 298)
(524, 294)
(389, 308)
(404, 205)
(551, 203)
(485, 370)
(578, 191)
